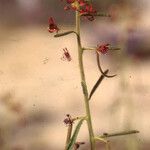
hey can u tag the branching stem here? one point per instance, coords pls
(83, 82)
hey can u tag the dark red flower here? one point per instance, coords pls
(103, 48)
(87, 9)
(90, 9)
(82, 2)
(67, 7)
(66, 55)
(52, 26)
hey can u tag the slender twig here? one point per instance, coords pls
(114, 49)
(69, 132)
(79, 118)
(100, 68)
(100, 139)
(107, 145)
(64, 33)
(97, 14)
(102, 14)
(89, 48)
(106, 135)
(94, 48)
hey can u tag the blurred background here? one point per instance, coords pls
(37, 88)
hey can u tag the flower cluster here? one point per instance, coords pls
(83, 7)
(88, 11)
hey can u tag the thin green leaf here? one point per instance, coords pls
(100, 68)
(64, 33)
(114, 48)
(97, 83)
(75, 134)
(102, 14)
(98, 14)
(106, 135)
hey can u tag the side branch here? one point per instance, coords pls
(98, 14)
(97, 84)
(64, 33)
(106, 135)
(100, 68)
(94, 48)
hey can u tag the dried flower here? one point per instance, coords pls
(103, 48)
(68, 120)
(52, 26)
(66, 55)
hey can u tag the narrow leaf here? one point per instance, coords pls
(102, 14)
(114, 48)
(100, 68)
(97, 14)
(64, 33)
(106, 135)
(97, 83)
(75, 134)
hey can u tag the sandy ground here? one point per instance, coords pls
(32, 73)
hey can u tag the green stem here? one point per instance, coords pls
(94, 48)
(107, 144)
(83, 82)
(68, 135)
